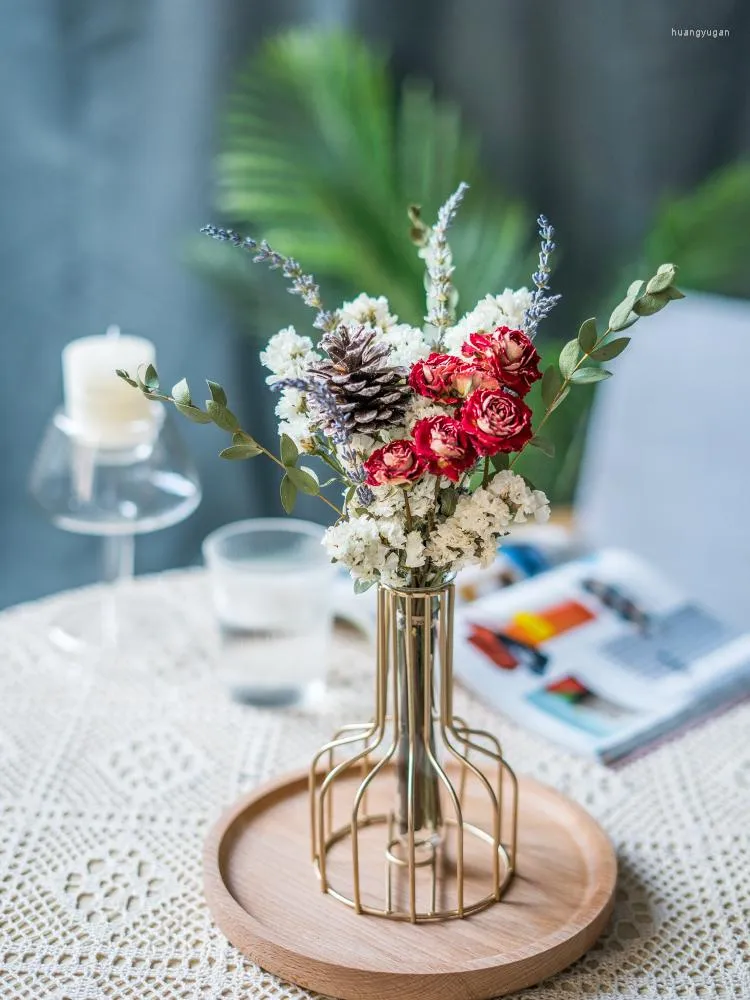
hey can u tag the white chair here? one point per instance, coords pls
(666, 472)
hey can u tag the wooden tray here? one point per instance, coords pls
(264, 895)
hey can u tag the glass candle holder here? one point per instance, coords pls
(272, 585)
(116, 487)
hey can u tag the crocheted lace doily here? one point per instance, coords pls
(111, 773)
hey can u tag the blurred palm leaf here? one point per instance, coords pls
(321, 157)
(707, 232)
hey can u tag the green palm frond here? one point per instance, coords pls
(707, 232)
(322, 156)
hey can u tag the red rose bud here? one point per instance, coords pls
(496, 421)
(509, 355)
(395, 464)
(443, 446)
(433, 378)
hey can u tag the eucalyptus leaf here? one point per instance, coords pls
(448, 502)
(662, 279)
(569, 358)
(239, 451)
(217, 393)
(193, 413)
(621, 317)
(312, 472)
(221, 416)
(151, 379)
(585, 375)
(651, 302)
(636, 289)
(559, 399)
(475, 480)
(289, 451)
(611, 350)
(181, 392)
(544, 444)
(288, 493)
(362, 586)
(500, 461)
(303, 481)
(551, 383)
(126, 378)
(329, 462)
(660, 282)
(241, 437)
(587, 335)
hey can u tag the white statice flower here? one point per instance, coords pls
(407, 343)
(506, 309)
(294, 420)
(414, 552)
(527, 501)
(288, 355)
(419, 407)
(388, 501)
(368, 312)
(369, 547)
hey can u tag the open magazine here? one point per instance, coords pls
(600, 655)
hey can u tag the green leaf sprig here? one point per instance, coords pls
(575, 366)
(296, 479)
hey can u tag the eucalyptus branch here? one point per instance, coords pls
(440, 263)
(243, 445)
(574, 368)
(303, 285)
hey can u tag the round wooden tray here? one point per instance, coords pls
(264, 895)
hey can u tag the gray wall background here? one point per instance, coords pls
(591, 111)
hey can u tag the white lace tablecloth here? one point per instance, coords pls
(111, 773)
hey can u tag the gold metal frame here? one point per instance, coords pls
(414, 630)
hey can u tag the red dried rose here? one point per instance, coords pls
(470, 376)
(496, 421)
(509, 355)
(443, 446)
(433, 377)
(448, 379)
(395, 464)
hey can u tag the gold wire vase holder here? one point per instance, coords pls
(427, 829)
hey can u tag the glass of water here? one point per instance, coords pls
(272, 586)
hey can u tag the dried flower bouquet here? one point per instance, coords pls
(420, 428)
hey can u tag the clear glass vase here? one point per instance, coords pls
(414, 794)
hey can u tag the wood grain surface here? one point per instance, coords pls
(264, 895)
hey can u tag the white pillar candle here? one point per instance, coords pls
(103, 410)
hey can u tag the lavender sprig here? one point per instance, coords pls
(541, 303)
(440, 263)
(336, 428)
(303, 285)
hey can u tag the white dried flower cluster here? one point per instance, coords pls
(375, 544)
(506, 309)
(374, 314)
(288, 355)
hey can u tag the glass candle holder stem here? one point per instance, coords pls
(118, 566)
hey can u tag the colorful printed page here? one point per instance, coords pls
(600, 654)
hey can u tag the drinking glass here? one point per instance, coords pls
(272, 586)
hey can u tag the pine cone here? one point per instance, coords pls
(369, 392)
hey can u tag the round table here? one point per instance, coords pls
(112, 770)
